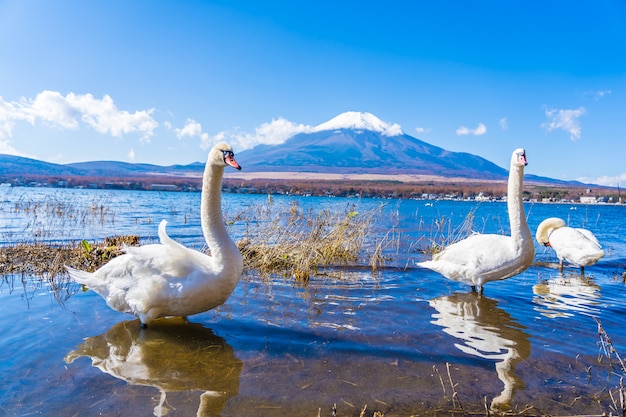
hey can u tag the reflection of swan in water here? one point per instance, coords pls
(488, 332)
(565, 295)
(170, 355)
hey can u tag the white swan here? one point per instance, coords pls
(481, 258)
(574, 245)
(168, 279)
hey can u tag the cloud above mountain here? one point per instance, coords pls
(279, 130)
(481, 129)
(73, 110)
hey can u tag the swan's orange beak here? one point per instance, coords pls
(230, 160)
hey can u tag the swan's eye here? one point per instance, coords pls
(228, 155)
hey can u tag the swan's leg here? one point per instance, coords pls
(582, 270)
(147, 317)
(474, 288)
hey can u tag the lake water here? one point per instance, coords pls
(403, 341)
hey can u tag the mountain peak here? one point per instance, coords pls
(360, 121)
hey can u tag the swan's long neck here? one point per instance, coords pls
(515, 205)
(213, 227)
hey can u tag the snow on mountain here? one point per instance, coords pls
(360, 121)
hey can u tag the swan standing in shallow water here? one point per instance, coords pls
(576, 246)
(168, 279)
(481, 258)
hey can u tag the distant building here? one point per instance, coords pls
(163, 187)
(588, 200)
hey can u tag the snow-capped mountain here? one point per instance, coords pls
(355, 142)
(360, 121)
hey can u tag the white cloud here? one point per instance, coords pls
(605, 180)
(192, 129)
(599, 94)
(72, 110)
(273, 133)
(7, 148)
(421, 130)
(131, 154)
(566, 120)
(481, 129)
(504, 123)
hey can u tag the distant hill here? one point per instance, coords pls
(351, 143)
(11, 165)
(17, 166)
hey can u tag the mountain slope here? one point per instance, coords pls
(360, 149)
(18, 165)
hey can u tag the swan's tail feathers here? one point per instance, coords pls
(592, 257)
(81, 277)
(165, 239)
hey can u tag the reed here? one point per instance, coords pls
(445, 234)
(298, 243)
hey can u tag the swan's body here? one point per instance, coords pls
(168, 279)
(481, 258)
(574, 245)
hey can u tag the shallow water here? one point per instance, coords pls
(396, 341)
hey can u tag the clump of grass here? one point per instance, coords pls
(47, 262)
(300, 243)
(44, 259)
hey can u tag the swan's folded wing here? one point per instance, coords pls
(167, 261)
(482, 255)
(590, 236)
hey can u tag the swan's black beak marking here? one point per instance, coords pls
(229, 159)
(522, 158)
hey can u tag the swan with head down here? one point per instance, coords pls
(169, 279)
(481, 258)
(575, 245)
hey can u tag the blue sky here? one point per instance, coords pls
(162, 81)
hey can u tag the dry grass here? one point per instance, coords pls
(298, 243)
(42, 259)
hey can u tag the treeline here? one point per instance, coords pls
(398, 189)
(340, 188)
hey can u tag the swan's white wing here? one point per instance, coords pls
(575, 246)
(478, 259)
(589, 236)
